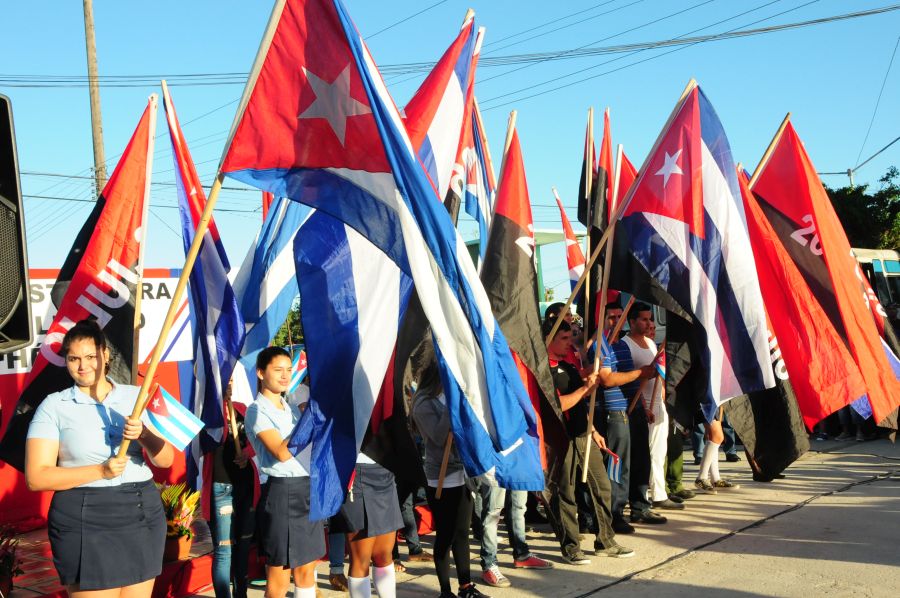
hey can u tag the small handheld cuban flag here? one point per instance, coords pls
(660, 364)
(171, 419)
(614, 467)
(298, 370)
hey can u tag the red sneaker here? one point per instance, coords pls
(533, 562)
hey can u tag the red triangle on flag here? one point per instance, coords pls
(671, 185)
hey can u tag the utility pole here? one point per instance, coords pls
(850, 174)
(94, 88)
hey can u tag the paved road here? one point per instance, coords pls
(831, 528)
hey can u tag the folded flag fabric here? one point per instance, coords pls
(298, 370)
(171, 419)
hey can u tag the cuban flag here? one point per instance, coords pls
(298, 370)
(660, 364)
(351, 296)
(436, 113)
(684, 224)
(613, 466)
(171, 419)
(266, 288)
(216, 320)
(265, 285)
(574, 256)
(316, 124)
(480, 186)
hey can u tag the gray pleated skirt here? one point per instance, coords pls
(287, 537)
(108, 537)
(371, 507)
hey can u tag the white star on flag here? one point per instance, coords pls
(333, 102)
(670, 167)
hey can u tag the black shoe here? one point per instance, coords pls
(669, 504)
(732, 457)
(447, 595)
(676, 498)
(620, 526)
(470, 591)
(648, 517)
(684, 493)
(697, 460)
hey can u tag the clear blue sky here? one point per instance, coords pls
(829, 76)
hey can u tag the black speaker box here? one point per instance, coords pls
(15, 309)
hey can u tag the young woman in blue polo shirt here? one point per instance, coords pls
(290, 542)
(106, 522)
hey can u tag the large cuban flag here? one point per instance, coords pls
(351, 295)
(317, 125)
(436, 113)
(685, 225)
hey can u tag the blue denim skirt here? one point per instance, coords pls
(107, 537)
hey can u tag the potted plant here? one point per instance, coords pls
(9, 563)
(180, 504)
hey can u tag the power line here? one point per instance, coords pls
(161, 183)
(654, 57)
(861, 164)
(79, 200)
(426, 9)
(422, 67)
(878, 101)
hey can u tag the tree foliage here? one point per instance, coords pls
(871, 220)
(291, 332)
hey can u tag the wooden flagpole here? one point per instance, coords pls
(604, 286)
(189, 260)
(588, 190)
(510, 129)
(769, 150)
(145, 218)
(620, 209)
(445, 459)
(232, 424)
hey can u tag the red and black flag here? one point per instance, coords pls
(510, 279)
(823, 373)
(99, 279)
(594, 208)
(795, 203)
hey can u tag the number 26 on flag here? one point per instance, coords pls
(800, 235)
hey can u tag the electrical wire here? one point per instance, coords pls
(654, 57)
(878, 101)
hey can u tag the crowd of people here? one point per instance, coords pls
(103, 505)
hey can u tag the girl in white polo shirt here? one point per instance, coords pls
(290, 542)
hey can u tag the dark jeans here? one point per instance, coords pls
(618, 438)
(563, 511)
(639, 474)
(452, 514)
(232, 525)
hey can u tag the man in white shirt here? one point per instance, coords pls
(643, 352)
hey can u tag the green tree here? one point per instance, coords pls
(871, 220)
(291, 332)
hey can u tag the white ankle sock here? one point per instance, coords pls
(309, 592)
(710, 455)
(360, 587)
(714, 468)
(385, 581)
